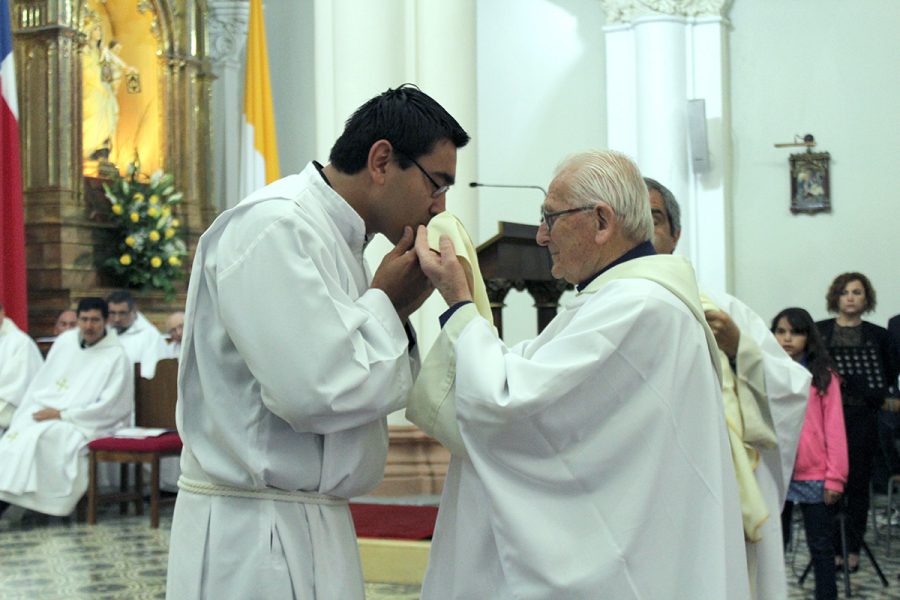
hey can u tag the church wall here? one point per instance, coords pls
(289, 35)
(541, 97)
(826, 67)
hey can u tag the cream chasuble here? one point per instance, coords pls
(596, 455)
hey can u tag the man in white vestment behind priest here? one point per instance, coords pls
(293, 355)
(85, 390)
(766, 391)
(20, 360)
(142, 341)
(594, 459)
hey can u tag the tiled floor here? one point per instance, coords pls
(122, 558)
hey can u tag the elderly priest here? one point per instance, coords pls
(596, 456)
(19, 361)
(85, 390)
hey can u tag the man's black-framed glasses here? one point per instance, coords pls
(438, 189)
(549, 218)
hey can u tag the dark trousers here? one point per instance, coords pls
(887, 460)
(817, 521)
(862, 442)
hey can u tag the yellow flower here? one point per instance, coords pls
(154, 236)
(117, 209)
(170, 233)
(138, 197)
(125, 259)
(135, 217)
(130, 241)
(175, 222)
(174, 261)
(156, 262)
(166, 211)
(154, 199)
(153, 212)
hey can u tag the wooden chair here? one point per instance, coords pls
(154, 406)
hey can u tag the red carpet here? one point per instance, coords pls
(395, 521)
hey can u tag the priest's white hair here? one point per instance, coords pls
(608, 176)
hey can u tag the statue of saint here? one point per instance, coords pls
(102, 69)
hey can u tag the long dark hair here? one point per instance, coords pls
(817, 359)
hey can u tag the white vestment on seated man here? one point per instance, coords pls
(787, 389)
(20, 360)
(43, 464)
(290, 365)
(598, 463)
(144, 344)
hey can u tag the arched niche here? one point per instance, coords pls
(50, 41)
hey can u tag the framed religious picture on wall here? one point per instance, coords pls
(810, 188)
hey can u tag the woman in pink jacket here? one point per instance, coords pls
(820, 470)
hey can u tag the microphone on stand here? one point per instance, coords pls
(502, 185)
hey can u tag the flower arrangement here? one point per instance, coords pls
(146, 248)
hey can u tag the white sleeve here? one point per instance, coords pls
(325, 362)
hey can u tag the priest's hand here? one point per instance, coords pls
(725, 331)
(46, 414)
(400, 277)
(444, 269)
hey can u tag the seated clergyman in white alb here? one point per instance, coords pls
(19, 361)
(142, 341)
(85, 390)
(595, 460)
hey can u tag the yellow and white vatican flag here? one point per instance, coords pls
(259, 150)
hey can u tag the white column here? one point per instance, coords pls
(659, 56)
(227, 38)
(662, 101)
(621, 89)
(709, 228)
(445, 70)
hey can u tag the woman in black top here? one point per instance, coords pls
(866, 362)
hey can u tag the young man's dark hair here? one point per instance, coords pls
(95, 304)
(407, 117)
(120, 296)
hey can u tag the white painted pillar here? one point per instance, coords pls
(656, 62)
(227, 32)
(661, 100)
(709, 229)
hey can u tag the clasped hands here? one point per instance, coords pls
(411, 271)
(45, 414)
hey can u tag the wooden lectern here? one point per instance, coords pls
(512, 259)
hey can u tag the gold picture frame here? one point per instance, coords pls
(810, 182)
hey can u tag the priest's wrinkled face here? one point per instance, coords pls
(120, 316)
(92, 326)
(66, 320)
(567, 231)
(420, 191)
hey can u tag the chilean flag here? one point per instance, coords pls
(12, 226)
